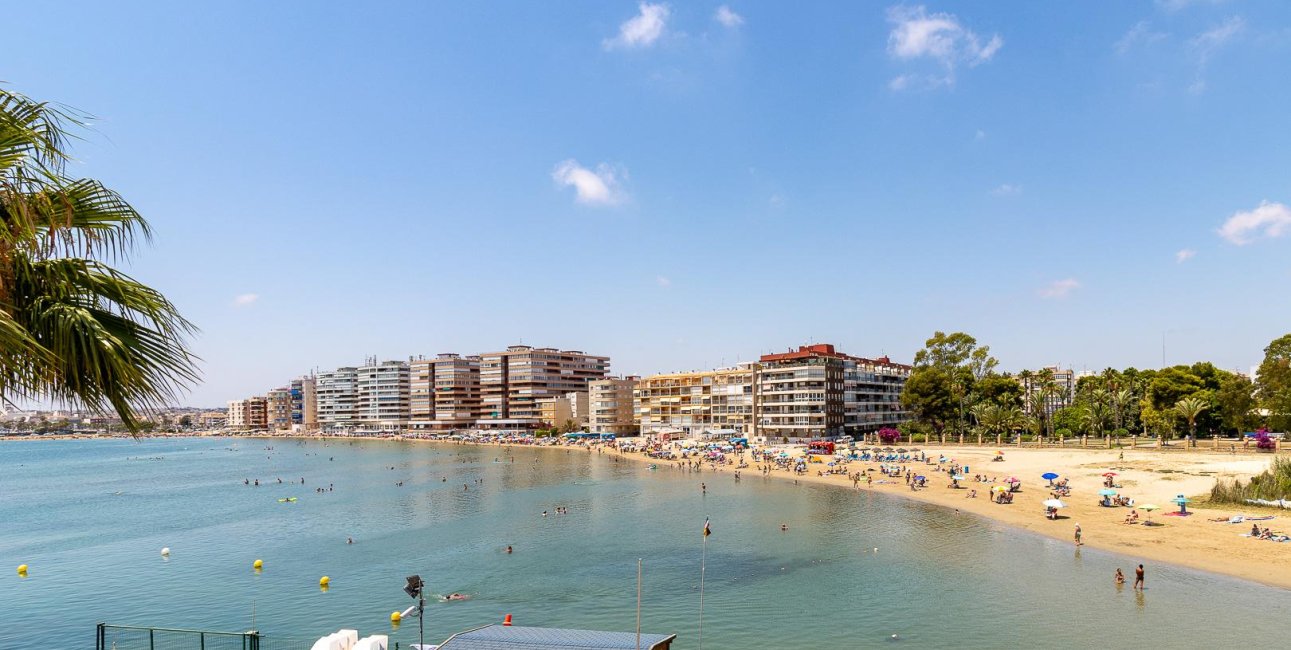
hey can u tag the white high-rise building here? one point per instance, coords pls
(337, 393)
(382, 402)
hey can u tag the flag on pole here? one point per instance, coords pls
(708, 530)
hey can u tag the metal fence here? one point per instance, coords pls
(128, 637)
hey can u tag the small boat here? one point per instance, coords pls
(287, 500)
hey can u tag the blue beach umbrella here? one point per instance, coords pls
(1049, 476)
(1107, 492)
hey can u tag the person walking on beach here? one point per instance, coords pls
(1138, 578)
(1077, 534)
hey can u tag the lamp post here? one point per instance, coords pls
(414, 589)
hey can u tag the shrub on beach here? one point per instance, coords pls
(1273, 484)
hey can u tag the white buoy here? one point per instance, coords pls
(165, 551)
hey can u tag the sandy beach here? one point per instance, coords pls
(1147, 476)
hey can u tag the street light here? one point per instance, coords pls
(414, 587)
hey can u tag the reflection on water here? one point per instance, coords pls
(852, 569)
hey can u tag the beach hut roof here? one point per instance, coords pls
(499, 637)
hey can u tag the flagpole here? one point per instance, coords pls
(703, 559)
(638, 603)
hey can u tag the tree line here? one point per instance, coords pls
(955, 388)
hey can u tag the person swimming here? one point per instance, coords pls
(1120, 577)
(454, 596)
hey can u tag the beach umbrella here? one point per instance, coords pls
(1049, 476)
(1107, 492)
(1148, 508)
(914, 449)
(1182, 502)
(1181, 499)
(956, 478)
(998, 488)
(1054, 503)
(1109, 473)
(901, 450)
(1012, 479)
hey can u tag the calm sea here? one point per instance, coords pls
(90, 518)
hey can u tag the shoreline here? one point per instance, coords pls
(1149, 476)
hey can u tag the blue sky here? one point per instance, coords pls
(681, 186)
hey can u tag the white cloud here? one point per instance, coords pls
(1269, 219)
(246, 299)
(599, 187)
(981, 135)
(1140, 34)
(663, 281)
(1059, 288)
(641, 30)
(1007, 189)
(727, 17)
(777, 200)
(1184, 255)
(1207, 43)
(917, 34)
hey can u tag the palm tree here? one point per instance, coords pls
(72, 327)
(1120, 400)
(1096, 414)
(1190, 408)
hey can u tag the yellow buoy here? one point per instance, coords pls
(22, 569)
(257, 565)
(324, 581)
(395, 617)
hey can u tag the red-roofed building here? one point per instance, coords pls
(818, 392)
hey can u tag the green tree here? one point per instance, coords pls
(963, 362)
(1189, 408)
(1275, 383)
(1236, 403)
(73, 327)
(1070, 418)
(929, 395)
(1000, 390)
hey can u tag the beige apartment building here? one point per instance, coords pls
(809, 393)
(712, 403)
(566, 409)
(278, 408)
(610, 406)
(250, 414)
(444, 393)
(515, 382)
(1061, 391)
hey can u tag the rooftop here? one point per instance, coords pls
(500, 637)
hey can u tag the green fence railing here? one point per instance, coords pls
(131, 637)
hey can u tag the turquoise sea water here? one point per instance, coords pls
(90, 518)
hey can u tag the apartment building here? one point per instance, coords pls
(278, 409)
(568, 408)
(808, 393)
(304, 404)
(610, 407)
(382, 395)
(712, 403)
(818, 392)
(1057, 384)
(444, 392)
(337, 392)
(514, 382)
(250, 414)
